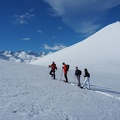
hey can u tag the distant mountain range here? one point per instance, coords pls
(21, 56)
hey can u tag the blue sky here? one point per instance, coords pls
(50, 25)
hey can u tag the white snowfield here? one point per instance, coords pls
(27, 91)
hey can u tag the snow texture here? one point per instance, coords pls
(27, 91)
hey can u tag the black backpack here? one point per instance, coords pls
(78, 72)
(67, 66)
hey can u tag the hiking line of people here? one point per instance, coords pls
(78, 73)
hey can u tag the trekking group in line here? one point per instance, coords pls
(65, 68)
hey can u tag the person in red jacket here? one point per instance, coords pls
(53, 68)
(65, 71)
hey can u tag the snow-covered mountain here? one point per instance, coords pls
(27, 91)
(102, 48)
(21, 56)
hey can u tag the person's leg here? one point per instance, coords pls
(78, 78)
(88, 83)
(66, 79)
(85, 81)
(53, 74)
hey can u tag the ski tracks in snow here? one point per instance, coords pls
(98, 91)
(108, 95)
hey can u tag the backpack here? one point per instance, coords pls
(67, 66)
(78, 72)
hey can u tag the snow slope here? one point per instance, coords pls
(28, 93)
(102, 48)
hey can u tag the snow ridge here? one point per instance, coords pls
(97, 49)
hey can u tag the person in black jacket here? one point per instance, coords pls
(78, 74)
(86, 79)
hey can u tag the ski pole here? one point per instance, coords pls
(61, 75)
(48, 70)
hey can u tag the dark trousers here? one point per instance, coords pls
(78, 78)
(52, 73)
(65, 75)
